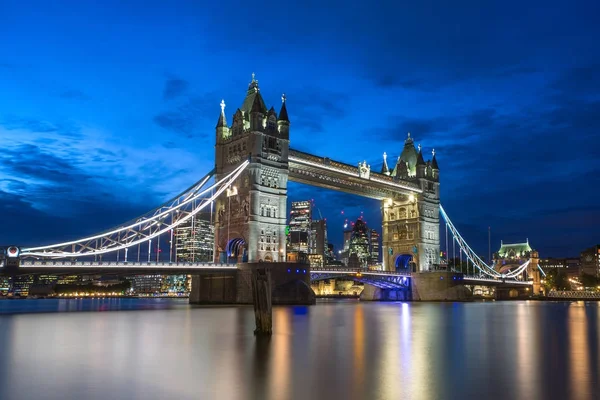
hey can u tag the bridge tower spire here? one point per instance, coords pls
(251, 217)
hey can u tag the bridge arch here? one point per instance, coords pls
(236, 250)
(402, 262)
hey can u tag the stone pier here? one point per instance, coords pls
(290, 284)
(438, 286)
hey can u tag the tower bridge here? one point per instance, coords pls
(253, 164)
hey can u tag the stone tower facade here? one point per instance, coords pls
(251, 216)
(411, 223)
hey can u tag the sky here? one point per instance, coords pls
(107, 109)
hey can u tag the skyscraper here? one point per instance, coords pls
(194, 239)
(359, 243)
(374, 247)
(300, 227)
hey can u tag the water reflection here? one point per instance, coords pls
(345, 350)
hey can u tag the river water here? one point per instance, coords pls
(166, 349)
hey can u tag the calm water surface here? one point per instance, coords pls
(166, 349)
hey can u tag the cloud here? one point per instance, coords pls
(310, 108)
(190, 115)
(174, 87)
(37, 125)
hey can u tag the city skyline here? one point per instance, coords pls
(108, 119)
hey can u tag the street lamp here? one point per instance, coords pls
(231, 191)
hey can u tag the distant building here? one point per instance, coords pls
(374, 247)
(330, 254)
(590, 261)
(299, 238)
(194, 240)
(5, 285)
(147, 285)
(174, 285)
(511, 256)
(21, 284)
(318, 237)
(569, 265)
(359, 244)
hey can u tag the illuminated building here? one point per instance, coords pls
(194, 240)
(569, 265)
(300, 227)
(174, 285)
(146, 284)
(358, 248)
(590, 261)
(519, 260)
(511, 256)
(374, 247)
(21, 284)
(5, 285)
(318, 242)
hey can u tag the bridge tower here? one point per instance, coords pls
(251, 216)
(411, 223)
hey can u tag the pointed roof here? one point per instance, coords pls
(409, 155)
(222, 122)
(283, 115)
(385, 169)
(420, 160)
(252, 93)
(258, 105)
(272, 112)
(514, 249)
(395, 171)
(434, 163)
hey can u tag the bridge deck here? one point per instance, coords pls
(324, 172)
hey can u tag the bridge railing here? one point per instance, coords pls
(356, 271)
(574, 294)
(499, 280)
(123, 264)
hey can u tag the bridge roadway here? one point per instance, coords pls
(122, 268)
(389, 279)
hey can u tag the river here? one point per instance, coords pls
(167, 349)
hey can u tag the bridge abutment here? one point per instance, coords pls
(290, 284)
(439, 286)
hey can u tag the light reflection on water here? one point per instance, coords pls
(342, 350)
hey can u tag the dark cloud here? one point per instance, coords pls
(174, 87)
(398, 128)
(583, 80)
(311, 108)
(56, 198)
(37, 125)
(188, 117)
(74, 95)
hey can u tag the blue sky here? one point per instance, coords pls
(107, 109)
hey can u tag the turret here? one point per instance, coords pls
(223, 131)
(256, 114)
(283, 123)
(385, 169)
(409, 156)
(420, 164)
(434, 167)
